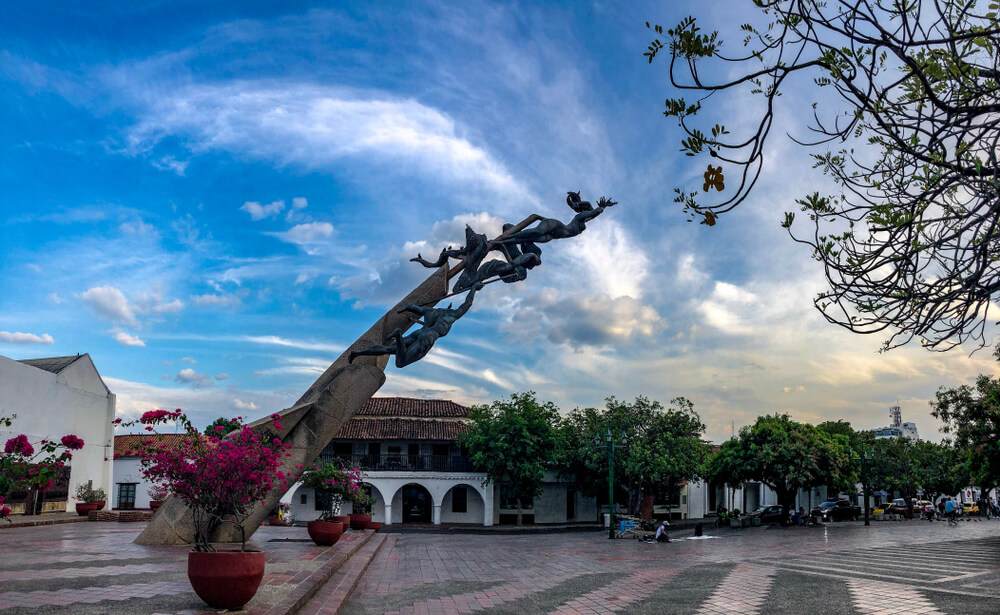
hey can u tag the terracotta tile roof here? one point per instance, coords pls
(400, 429)
(410, 407)
(129, 442)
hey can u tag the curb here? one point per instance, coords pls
(308, 588)
(335, 592)
(38, 523)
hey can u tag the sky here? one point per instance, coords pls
(214, 200)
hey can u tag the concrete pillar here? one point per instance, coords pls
(388, 514)
(436, 518)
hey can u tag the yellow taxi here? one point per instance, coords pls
(970, 508)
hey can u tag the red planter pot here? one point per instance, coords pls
(325, 533)
(373, 525)
(226, 579)
(100, 504)
(345, 519)
(359, 520)
(153, 505)
(83, 508)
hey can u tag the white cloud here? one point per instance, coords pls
(7, 337)
(34, 267)
(153, 303)
(314, 127)
(188, 360)
(222, 376)
(55, 298)
(109, 303)
(222, 300)
(259, 212)
(302, 277)
(243, 405)
(126, 339)
(308, 232)
(169, 163)
(295, 212)
(189, 376)
(137, 227)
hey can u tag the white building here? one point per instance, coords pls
(53, 397)
(897, 428)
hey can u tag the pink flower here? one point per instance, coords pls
(116, 421)
(72, 442)
(275, 416)
(219, 429)
(19, 445)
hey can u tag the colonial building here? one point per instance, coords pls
(131, 490)
(53, 397)
(409, 453)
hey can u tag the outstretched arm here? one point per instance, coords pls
(462, 309)
(442, 259)
(412, 307)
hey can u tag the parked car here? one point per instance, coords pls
(768, 514)
(970, 508)
(837, 510)
(895, 509)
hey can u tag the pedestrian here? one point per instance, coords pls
(661, 532)
(941, 506)
(949, 508)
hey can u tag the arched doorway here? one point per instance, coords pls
(417, 504)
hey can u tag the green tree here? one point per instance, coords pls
(514, 442)
(227, 425)
(894, 468)
(908, 92)
(781, 453)
(972, 416)
(941, 469)
(846, 446)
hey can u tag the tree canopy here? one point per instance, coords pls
(906, 120)
(513, 441)
(972, 416)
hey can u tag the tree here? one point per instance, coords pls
(940, 469)
(514, 441)
(780, 453)
(909, 245)
(846, 444)
(894, 468)
(972, 416)
(670, 450)
(222, 426)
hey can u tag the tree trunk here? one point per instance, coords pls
(519, 509)
(646, 509)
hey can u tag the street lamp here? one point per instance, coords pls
(865, 457)
(610, 445)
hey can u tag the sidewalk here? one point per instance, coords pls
(94, 568)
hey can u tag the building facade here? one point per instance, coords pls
(53, 397)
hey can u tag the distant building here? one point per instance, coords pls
(53, 397)
(897, 428)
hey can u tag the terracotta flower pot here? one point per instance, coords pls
(226, 579)
(100, 504)
(358, 520)
(84, 508)
(373, 525)
(153, 505)
(325, 533)
(345, 519)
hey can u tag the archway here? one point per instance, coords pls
(417, 504)
(378, 506)
(463, 504)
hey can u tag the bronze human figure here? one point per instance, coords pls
(415, 346)
(477, 246)
(550, 228)
(520, 258)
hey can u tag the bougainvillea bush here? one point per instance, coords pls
(23, 467)
(220, 479)
(333, 484)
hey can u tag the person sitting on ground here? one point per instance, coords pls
(661, 532)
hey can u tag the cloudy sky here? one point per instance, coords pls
(213, 202)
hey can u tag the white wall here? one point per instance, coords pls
(49, 406)
(128, 470)
(474, 507)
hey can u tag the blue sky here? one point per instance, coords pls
(213, 202)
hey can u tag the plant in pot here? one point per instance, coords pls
(24, 469)
(157, 494)
(220, 480)
(361, 509)
(282, 515)
(332, 484)
(89, 499)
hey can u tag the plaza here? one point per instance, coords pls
(905, 567)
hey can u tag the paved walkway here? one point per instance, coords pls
(901, 567)
(94, 568)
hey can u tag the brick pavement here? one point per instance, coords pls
(747, 572)
(94, 568)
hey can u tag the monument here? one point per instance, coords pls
(359, 372)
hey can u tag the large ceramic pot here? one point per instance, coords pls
(226, 579)
(84, 508)
(325, 533)
(345, 519)
(358, 520)
(100, 504)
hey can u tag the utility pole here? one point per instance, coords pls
(611, 485)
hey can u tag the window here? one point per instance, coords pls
(304, 498)
(459, 500)
(322, 501)
(343, 449)
(126, 496)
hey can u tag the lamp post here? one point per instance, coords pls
(864, 456)
(610, 445)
